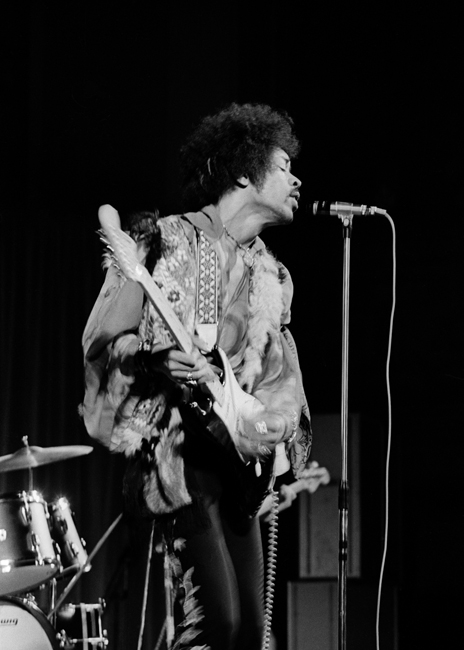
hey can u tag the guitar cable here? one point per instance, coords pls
(271, 568)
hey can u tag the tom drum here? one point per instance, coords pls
(28, 554)
(73, 553)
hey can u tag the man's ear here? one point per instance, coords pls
(242, 182)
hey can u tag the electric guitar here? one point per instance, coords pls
(230, 403)
(317, 476)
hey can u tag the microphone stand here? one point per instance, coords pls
(345, 212)
(343, 495)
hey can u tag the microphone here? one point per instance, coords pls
(339, 209)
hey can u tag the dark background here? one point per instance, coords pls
(96, 102)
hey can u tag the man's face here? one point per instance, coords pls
(280, 190)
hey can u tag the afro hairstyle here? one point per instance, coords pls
(237, 141)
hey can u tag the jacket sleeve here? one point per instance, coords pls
(109, 341)
(300, 448)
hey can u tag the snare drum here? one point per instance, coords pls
(27, 552)
(80, 626)
(73, 553)
(23, 626)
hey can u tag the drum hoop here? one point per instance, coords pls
(61, 503)
(30, 586)
(33, 609)
(10, 496)
(35, 497)
(17, 564)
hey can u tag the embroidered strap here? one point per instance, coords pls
(207, 300)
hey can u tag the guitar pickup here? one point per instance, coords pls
(214, 358)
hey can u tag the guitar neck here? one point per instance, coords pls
(164, 310)
(124, 250)
(311, 483)
(175, 327)
(299, 486)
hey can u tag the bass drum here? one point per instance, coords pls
(23, 626)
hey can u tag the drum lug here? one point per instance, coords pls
(62, 525)
(74, 551)
(35, 542)
(57, 550)
(25, 515)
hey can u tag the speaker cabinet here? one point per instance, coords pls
(318, 512)
(313, 616)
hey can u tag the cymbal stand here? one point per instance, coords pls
(25, 441)
(53, 601)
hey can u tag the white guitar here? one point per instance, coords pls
(230, 403)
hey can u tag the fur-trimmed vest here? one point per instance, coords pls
(138, 413)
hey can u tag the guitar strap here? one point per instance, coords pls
(207, 298)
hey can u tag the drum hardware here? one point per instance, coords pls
(81, 624)
(45, 596)
(39, 543)
(29, 555)
(35, 541)
(84, 568)
(23, 626)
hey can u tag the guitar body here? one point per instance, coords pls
(222, 426)
(208, 445)
(237, 405)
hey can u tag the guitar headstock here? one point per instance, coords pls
(121, 246)
(315, 476)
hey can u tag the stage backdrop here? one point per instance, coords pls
(95, 106)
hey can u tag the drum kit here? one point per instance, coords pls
(39, 549)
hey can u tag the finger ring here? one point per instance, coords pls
(263, 450)
(261, 427)
(189, 375)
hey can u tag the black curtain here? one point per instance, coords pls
(96, 105)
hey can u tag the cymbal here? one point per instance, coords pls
(28, 457)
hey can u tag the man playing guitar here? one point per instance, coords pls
(191, 370)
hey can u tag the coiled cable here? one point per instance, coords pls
(271, 568)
